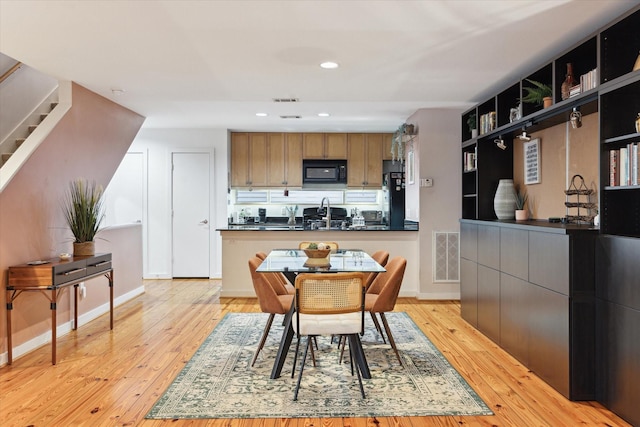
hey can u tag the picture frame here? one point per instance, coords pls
(531, 152)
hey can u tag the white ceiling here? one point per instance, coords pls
(215, 64)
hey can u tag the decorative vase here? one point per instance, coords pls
(504, 202)
(547, 102)
(84, 248)
(474, 133)
(636, 66)
(638, 123)
(522, 214)
(568, 82)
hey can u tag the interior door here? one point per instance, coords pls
(191, 217)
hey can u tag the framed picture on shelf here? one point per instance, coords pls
(531, 151)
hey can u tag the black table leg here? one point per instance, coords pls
(361, 360)
(285, 343)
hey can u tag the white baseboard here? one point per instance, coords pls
(66, 327)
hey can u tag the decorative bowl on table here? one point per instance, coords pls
(317, 253)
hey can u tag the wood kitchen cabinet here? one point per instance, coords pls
(324, 146)
(248, 154)
(364, 160)
(284, 154)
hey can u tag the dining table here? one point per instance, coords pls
(292, 262)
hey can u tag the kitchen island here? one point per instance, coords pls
(241, 242)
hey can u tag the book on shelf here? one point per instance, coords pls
(469, 161)
(487, 122)
(589, 80)
(575, 90)
(623, 166)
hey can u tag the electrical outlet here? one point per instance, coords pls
(426, 182)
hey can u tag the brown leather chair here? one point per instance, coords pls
(278, 280)
(383, 295)
(270, 302)
(381, 257)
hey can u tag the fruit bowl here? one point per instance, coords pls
(317, 253)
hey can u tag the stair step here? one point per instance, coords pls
(43, 116)
(5, 156)
(20, 141)
(32, 128)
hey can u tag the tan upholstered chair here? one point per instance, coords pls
(381, 257)
(278, 280)
(331, 304)
(270, 302)
(383, 294)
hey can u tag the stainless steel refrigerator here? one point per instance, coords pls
(394, 201)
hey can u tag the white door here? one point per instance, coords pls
(191, 216)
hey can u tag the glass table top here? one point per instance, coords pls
(296, 261)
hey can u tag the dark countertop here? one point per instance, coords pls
(537, 225)
(284, 227)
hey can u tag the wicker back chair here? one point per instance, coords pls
(331, 304)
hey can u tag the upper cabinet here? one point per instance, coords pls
(248, 154)
(364, 168)
(284, 151)
(324, 146)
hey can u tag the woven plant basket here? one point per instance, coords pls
(84, 248)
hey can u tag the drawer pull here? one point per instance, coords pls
(100, 264)
(77, 270)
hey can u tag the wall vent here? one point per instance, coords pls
(446, 256)
(291, 117)
(286, 100)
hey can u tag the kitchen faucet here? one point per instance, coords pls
(328, 217)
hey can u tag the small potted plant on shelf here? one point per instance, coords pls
(522, 214)
(83, 211)
(539, 94)
(472, 124)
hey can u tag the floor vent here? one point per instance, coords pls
(446, 256)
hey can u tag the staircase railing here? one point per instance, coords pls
(10, 71)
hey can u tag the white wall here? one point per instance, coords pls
(437, 157)
(158, 144)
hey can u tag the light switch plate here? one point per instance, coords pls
(426, 182)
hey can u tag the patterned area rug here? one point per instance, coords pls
(218, 382)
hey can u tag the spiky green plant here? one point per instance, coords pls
(537, 93)
(83, 209)
(521, 200)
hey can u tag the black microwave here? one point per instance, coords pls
(324, 172)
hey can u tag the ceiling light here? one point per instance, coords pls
(329, 65)
(261, 114)
(323, 114)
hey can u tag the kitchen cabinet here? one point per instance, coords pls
(284, 155)
(364, 160)
(324, 146)
(387, 139)
(248, 154)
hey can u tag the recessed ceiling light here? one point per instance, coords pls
(323, 114)
(329, 65)
(261, 114)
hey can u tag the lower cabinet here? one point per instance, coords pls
(525, 296)
(618, 325)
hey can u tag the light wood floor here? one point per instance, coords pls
(113, 378)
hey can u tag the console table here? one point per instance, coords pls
(51, 278)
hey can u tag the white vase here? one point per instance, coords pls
(504, 203)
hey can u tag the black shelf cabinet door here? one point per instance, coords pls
(619, 109)
(621, 212)
(620, 46)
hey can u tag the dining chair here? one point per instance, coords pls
(381, 257)
(331, 245)
(383, 294)
(329, 305)
(279, 281)
(269, 301)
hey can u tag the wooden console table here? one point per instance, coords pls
(54, 276)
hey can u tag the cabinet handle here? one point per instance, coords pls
(77, 270)
(100, 264)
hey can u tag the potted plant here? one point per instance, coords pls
(83, 211)
(522, 214)
(472, 124)
(539, 94)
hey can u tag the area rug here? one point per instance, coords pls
(219, 382)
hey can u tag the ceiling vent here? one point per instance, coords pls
(291, 117)
(286, 100)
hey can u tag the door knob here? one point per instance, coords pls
(204, 221)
